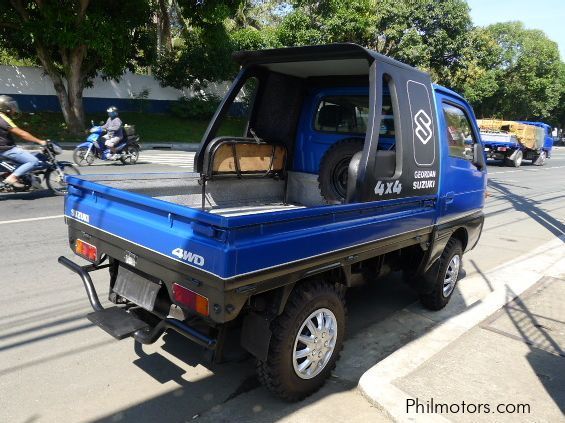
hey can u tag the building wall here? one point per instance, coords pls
(34, 91)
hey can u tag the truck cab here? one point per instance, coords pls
(351, 165)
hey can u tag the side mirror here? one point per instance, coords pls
(479, 156)
(101, 122)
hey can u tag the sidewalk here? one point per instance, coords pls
(514, 362)
(512, 356)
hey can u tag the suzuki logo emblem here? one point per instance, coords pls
(423, 126)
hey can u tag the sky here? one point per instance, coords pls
(547, 15)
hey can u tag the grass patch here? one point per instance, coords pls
(150, 127)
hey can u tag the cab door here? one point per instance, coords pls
(462, 183)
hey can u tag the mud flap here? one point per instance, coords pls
(256, 335)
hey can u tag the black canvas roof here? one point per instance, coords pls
(328, 52)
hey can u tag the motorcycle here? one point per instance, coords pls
(94, 148)
(52, 171)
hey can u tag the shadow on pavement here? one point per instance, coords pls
(531, 208)
(369, 306)
(535, 318)
(540, 332)
(31, 195)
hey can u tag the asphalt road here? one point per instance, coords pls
(55, 366)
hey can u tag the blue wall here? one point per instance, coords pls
(50, 103)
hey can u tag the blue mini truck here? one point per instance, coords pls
(505, 147)
(351, 165)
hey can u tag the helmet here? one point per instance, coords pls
(112, 111)
(8, 105)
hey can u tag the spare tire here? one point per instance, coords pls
(334, 167)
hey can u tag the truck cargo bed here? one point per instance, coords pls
(225, 197)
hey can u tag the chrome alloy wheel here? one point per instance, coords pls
(451, 274)
(314, 344)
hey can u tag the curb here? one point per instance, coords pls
(377, 383)
(193, 147)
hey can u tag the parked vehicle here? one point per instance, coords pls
(53, 172)
(250, 242)
(505, 143)
(93, 148)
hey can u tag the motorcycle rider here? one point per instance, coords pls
(28, 162)
(114, 131)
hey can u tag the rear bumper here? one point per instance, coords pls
(149, 334)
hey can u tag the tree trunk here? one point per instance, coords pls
(164, 38)
(70, 96)
(75, 86)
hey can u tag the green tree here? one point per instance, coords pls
(528, 76)
(202, 53)
(74, 40)
(426, 33)
(477, 75)
(8, 57)
(558, 115)
(211, 31)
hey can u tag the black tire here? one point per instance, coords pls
(334, 166)
(53, 181)
(132, 155)
(540, 159)
(278, 373)
(438, 298)
(80, 158)
(516, 161)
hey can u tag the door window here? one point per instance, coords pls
(460, 137)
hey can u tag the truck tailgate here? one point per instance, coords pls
(179, 233)
(242, 247)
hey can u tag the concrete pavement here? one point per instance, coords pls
(55, 366)
(393, 383)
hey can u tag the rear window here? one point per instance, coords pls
(342, 114)
(349, 115)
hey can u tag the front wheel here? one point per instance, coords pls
(540, 159)
(307, 339)
(55, 178)
(82, 156)
(443, 276)
(130, 155)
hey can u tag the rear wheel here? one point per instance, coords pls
(306, 341)
(130, 155)
(56, 181)
(516, 161)
(83, 157)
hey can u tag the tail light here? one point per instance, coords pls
(86, 250)
(190, 299)
(501, 148)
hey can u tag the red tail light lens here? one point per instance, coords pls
(190, 299)
(86, 250)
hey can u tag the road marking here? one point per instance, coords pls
(31, 219)
(527, 170)
(180, 159)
